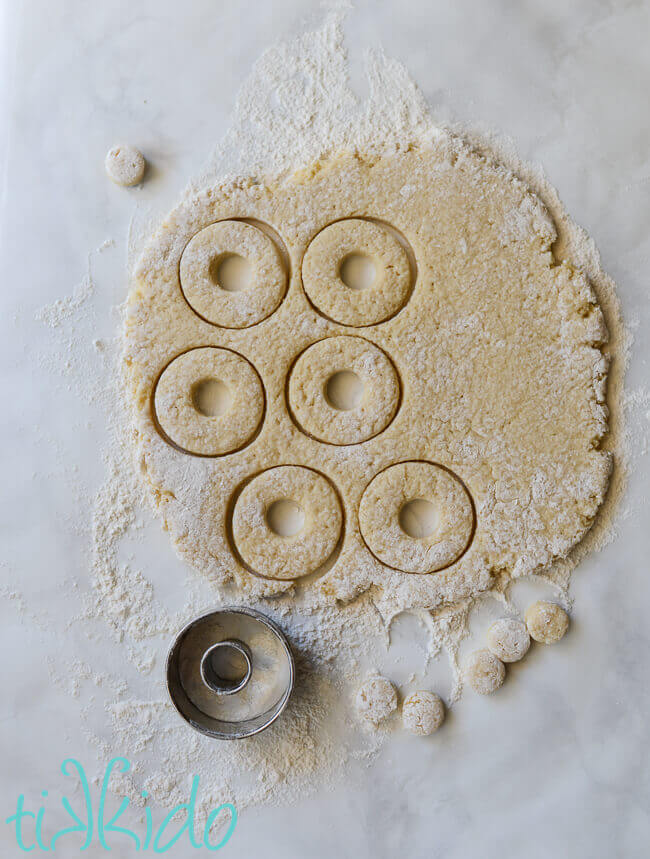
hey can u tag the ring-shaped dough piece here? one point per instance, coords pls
(321, 273)
(308, 398)
(379, 517)
(271, 555)
(178, 414)
(241, 308)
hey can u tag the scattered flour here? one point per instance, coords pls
(296, 106)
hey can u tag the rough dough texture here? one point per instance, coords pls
(498, 349)
(547, 622)
(508, 639)
(278, 557)
(423, 713)
(176, 408)
(308, 384)
(484, 672)
(199, 270)
(379, 517)
(376, 699)
(321, 273)
(125, 165)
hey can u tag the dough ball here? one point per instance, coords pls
(484, 672)
(508, 639)
(125, 165)
(547, 622)
(376, 699)
(423, 713)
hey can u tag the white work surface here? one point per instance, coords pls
(558, 762)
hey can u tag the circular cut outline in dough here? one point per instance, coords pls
(267, 543)
(332, 287)
(396, 533)
(329, 417)
(192, 413)
(201, 293)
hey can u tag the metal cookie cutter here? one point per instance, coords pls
(230, 673)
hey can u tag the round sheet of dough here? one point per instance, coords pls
(269, 550)
(357, 273)
(499, 348)
(209, 401)
(343, 390)
(232, 274)
(393, 530)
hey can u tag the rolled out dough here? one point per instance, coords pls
(497, 345)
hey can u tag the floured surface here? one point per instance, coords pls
(498, 349)
(296, 104)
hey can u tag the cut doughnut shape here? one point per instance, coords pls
(209, 402)
(314, 517)
(232, 274)
(390, 538)
(357, 272)
(343, 390)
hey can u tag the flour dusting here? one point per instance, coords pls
(296, 107)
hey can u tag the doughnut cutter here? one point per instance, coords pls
(214, 668)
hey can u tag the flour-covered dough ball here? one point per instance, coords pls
(547, 622)
(423, 713)
(484, 672)
(125, 165)
(376, 699)
(508, 639)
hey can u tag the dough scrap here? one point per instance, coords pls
(547, 622)
(423, 713)
(484, 672)
(324, 285)
(376, 699)
(498, 347)
(125, 165)
(508, 639)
